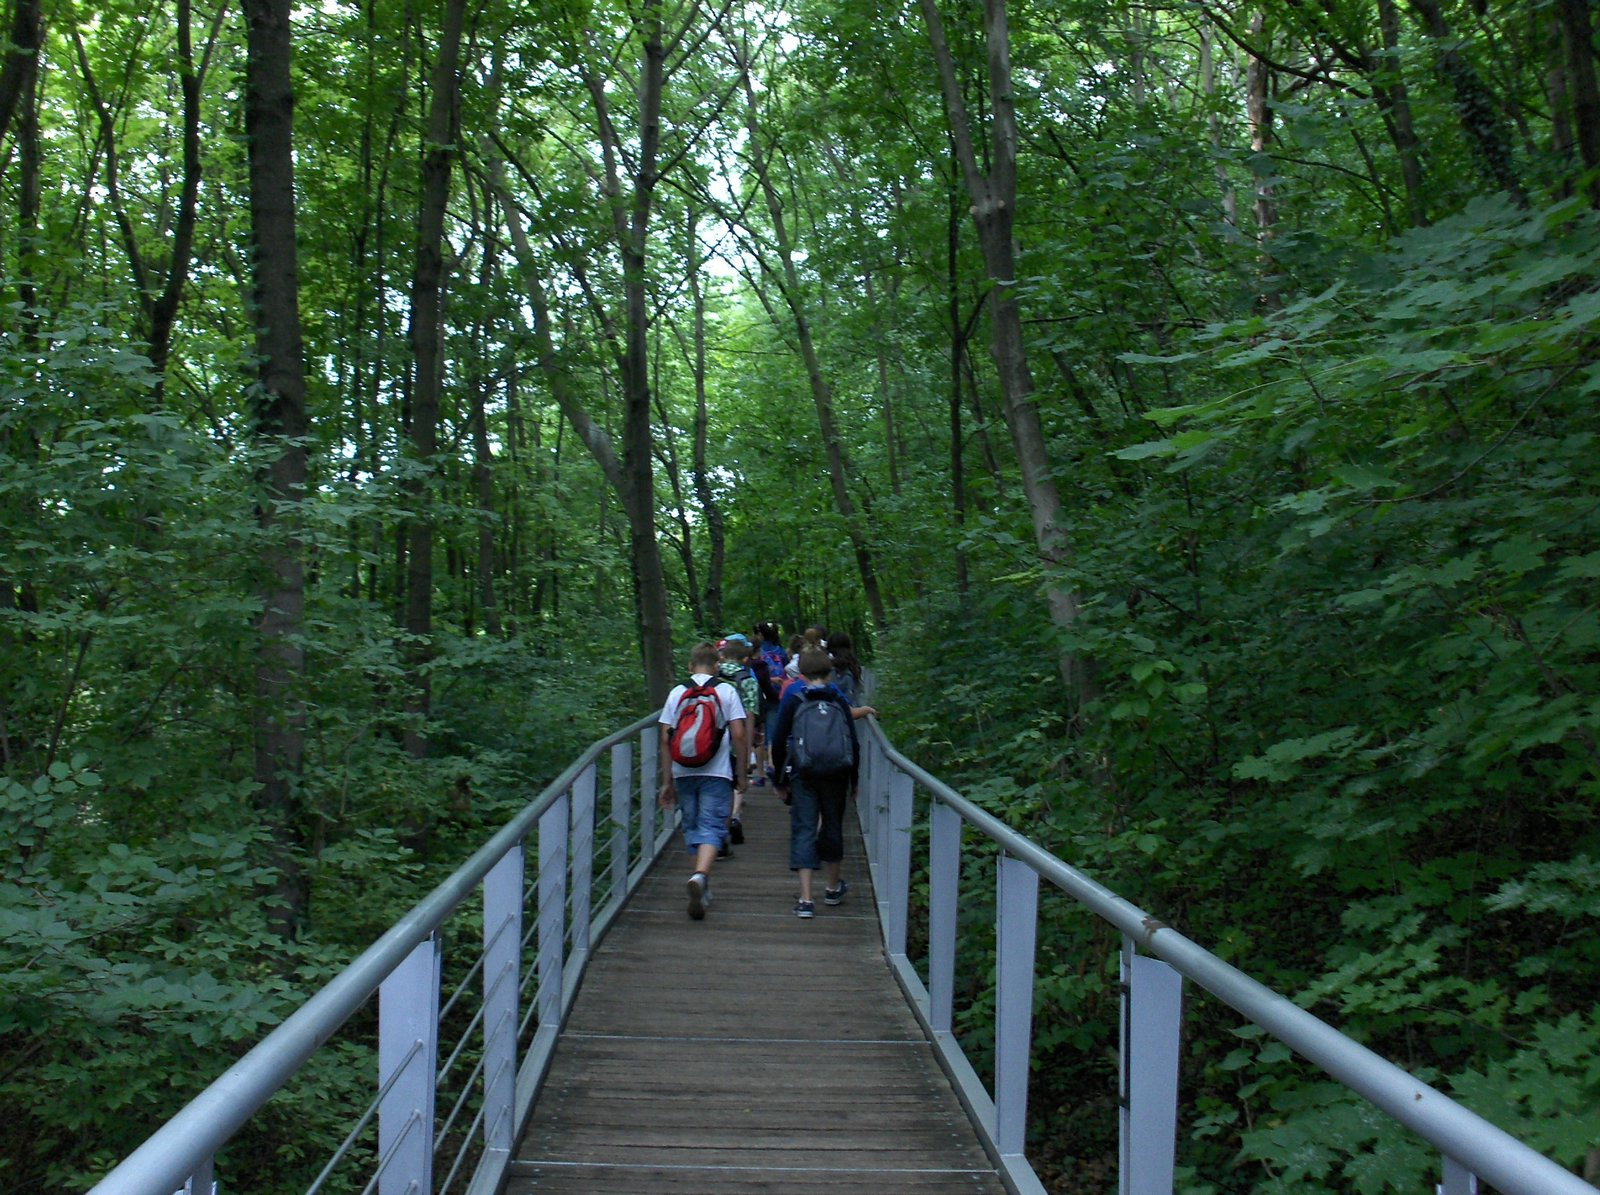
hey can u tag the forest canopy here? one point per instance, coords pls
(1188, 408)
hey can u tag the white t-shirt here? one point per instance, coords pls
(720, 764)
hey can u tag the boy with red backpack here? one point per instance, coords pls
(705, 752)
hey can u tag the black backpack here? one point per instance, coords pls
(821, 743)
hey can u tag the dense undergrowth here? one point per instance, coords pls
(1339, 598)
(1347, 654)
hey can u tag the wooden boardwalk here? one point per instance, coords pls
(751, 1051)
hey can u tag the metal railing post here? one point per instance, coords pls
(944, 894)
(1458, 1180)
(897, 862)
(582, 848)
(408, 1050)
(1016, 930)
(621, 821)
(502, 943)
(878, 844)
(867, 791)
(552, 911)
(649, 770)
(202, 1182)
(1152, 1023)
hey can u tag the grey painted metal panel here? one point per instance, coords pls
(502, 943)
(944, 893)
(552, 909)
(580, 845)
(1016, 929)
(1154, 1021)
(408, 1053)
(897, 861)
(621, 807)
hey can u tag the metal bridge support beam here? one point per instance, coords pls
(201, 1181)
(621, 803)
(897, 860)
(408, 1060)
(583, 803)
(944, 893)
(1458, 1180)
(502, 947)
(552, 912)
(649, 770)
(1016, 929)
(1152, 1021)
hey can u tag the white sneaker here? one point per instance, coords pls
(699, 896)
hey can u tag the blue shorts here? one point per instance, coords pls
(705, 803)
(816, 821)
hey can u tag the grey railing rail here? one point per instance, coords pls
(574, 903)
(1470, 1146)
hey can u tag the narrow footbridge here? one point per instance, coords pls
(582, 1034)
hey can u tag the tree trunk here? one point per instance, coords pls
(1390, 89)
(821, 391)
(163, 311)
(483, 486)
(1208, 88)
(994, 198)
(1578, 36)
(885, 392)
(29, 193)
(21, 64)
(704, 494)
(630, 226)
(958, 336)
(1476, 106)
(427, 302)
(280, 425)
(1258, 96)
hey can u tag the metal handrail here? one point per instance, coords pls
(1471, 1145)
(184, 1145)
(183, 1149)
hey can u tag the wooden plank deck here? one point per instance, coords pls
(751, 1051)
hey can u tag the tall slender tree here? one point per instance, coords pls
(280, 425)
(993, 196)
(427, 335)
(763, 156)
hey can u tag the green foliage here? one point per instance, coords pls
(1326, 447)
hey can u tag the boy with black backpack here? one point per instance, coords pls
(815, 755)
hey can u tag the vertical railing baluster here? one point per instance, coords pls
(1458, 1180)
(552, 911)
(408, 1053)
(1152, 1030)
(502, 940)
(877, 848)
(897, 861)
(621, 805)
(944, 892)
(867, 788)
(649, 784)
(583, 794)
(1016, 930)
(202, 1181)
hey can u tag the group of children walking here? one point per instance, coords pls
(788, 716)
